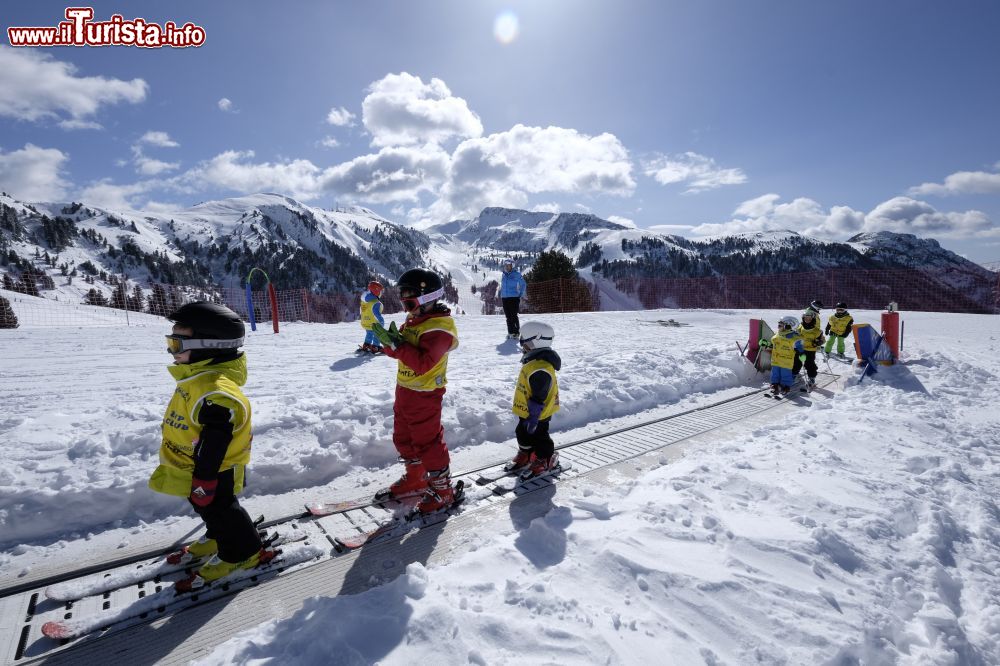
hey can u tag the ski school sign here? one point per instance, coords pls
(272, 297)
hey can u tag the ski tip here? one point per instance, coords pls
(56, 630)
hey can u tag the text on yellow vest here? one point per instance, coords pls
(523, 389)
(198, 384)
(436, 377)
(783, 352)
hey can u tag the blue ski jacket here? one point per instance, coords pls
(512, 285)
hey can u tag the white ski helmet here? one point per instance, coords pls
(536, 335)
(788, 322)
(508, 264)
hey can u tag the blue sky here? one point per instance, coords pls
(697, 118)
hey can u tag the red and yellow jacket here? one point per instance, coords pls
(423, 355)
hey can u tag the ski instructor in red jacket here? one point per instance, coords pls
(421, 349)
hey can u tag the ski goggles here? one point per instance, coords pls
(178, 344)
(411, 301)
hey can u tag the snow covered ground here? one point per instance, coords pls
(862, 528)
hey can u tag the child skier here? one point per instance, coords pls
(536, 399)
(812, 338)
(421, 348)
(785, 345)
(838, 326)
(206, 440)
(371, 312)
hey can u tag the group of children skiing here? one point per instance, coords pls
(207, 426)
(795, 344)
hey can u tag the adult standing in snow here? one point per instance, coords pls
(206, 439)
(512, 288)
(421, 348)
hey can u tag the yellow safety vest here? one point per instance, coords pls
(838, 324)
(368, 313)
(198, 384)
(523, 389)
(810, 335)
(436, 377)
(783, 351)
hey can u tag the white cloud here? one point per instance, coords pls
(147, 166)
(757, 207)
(329, 142)
(36, 86)
(106, 194)
(340, 117)
(698, 172)
(401, 110)
(962, 182)
(157, 138)
(801, 215)
(808, 217)
(550, 207)
(233, 170)
(503, 169)
(226, 104)
(906, 215)
(33, 173)
(392, 174)
(74, 124)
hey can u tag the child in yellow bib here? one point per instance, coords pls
(206, 440)
(536, 399)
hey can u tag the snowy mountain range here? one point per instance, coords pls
(72, 248)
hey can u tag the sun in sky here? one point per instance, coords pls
(505, 27)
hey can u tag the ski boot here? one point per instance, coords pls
(195, 550)
(216, 568)
(541, 466)
(775, 389)
(411, 484)
(520, 461)
(785, 390)
(440, 494)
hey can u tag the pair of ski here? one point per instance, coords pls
(413, 519)
(382, 499)
(803, 388)
(165, 597)
(509, 479)
(402, 521)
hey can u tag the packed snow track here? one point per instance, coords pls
(141, 622)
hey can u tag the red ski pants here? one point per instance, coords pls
(417, 432)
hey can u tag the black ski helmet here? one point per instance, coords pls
(841, 305)
(211, 321)
(419, 286)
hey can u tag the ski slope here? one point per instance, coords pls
(856, 527)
